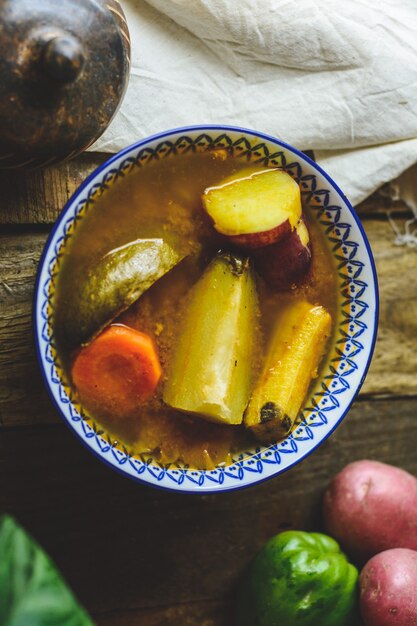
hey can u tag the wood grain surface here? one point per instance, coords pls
(37, 197)
(22, 396)
(126, 547)
(136, 556)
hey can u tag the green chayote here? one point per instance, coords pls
(114, 283)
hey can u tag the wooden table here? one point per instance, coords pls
(135, 555)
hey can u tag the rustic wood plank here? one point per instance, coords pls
(380, 205)
(207, 613)
(22, 395)
(123, 546)
(394, 366)
(136, 556)
(37, 197)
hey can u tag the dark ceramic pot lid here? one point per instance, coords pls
(64, 68)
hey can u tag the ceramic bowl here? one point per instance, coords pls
(345, 369)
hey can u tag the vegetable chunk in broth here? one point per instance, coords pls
(162, 203)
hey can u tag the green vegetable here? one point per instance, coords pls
(32, 592)
(113, 284)
(211, 370)
(298, 579)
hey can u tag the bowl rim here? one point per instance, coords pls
(257, 478)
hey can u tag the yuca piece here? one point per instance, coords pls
(211, 370)
(254, 208)
(296, 349)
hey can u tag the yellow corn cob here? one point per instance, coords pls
(296, 349)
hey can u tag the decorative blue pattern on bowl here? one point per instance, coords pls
(346, 367)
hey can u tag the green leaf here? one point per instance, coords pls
(32, 591)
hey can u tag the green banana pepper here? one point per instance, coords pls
(298, 579)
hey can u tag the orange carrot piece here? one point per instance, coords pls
(117, 371)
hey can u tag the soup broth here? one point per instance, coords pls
(163, 200)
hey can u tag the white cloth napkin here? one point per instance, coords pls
(336, 77)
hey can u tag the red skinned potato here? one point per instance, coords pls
(388, 589)
(254, 208)
(287, 262)
(370, 507)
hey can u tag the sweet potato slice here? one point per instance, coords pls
(254, 208)
(285, 264)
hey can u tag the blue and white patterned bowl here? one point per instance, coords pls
(349, 360)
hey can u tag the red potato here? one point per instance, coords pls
(370, 507)
(286, 263)
(388, 589)
(254, 208)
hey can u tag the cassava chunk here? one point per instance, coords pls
(113, 284)
(297, 346)
(285, 264)
(256, 209)
(211, 368)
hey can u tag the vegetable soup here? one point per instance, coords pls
(194, 305)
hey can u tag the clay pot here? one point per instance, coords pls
(64, 68)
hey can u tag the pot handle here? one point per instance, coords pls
(63, 58)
